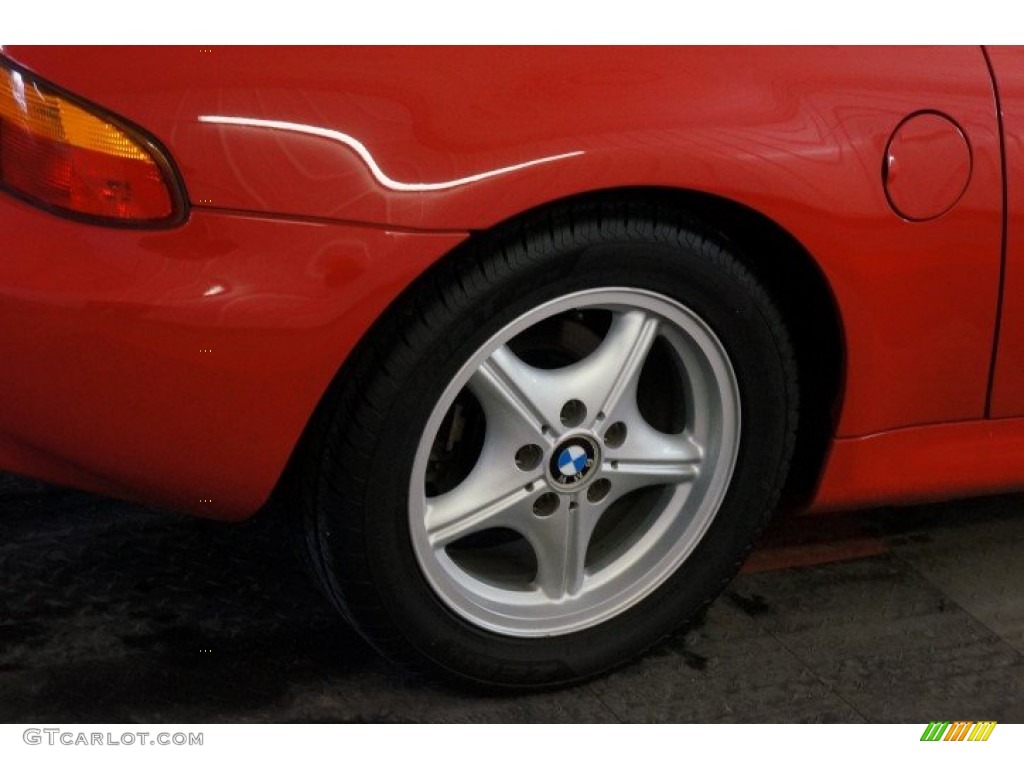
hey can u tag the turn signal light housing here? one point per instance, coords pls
(74, 159)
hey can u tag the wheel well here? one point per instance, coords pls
(793, 279)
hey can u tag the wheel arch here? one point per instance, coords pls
(785, 267)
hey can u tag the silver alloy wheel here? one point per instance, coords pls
(566, 447)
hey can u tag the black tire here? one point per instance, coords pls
(356, 470)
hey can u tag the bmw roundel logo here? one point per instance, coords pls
(572, 461)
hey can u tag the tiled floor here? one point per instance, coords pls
(110, 612)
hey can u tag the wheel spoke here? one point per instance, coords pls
(494, 493)
(649, 457)
(516, 397)
(609, 375)
(456, 514)
(560, 543)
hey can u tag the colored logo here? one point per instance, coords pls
(572, 461)
(959, 731)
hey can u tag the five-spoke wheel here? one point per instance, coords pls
(559, 448)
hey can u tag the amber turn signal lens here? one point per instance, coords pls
(61, 155)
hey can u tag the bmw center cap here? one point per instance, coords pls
(572, 462)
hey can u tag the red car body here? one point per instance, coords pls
(181, 365)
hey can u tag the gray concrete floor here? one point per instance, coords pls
(112, 612)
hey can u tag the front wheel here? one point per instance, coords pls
(554, 451)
